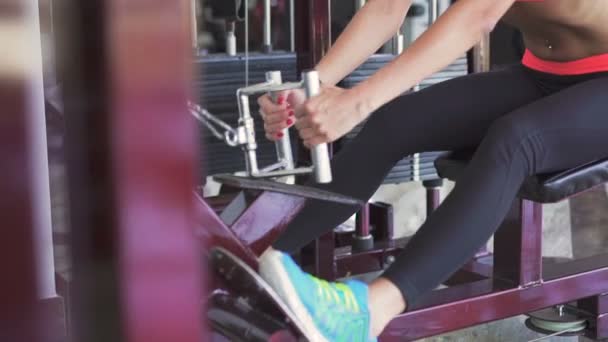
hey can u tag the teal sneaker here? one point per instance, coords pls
(332, 312)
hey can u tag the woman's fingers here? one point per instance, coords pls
(267, 105)
(280, 115)
(276, 122)
(277, 116)
(276, 128)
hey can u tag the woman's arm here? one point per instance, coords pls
(462, 26)
(335, 111)
(371, 27)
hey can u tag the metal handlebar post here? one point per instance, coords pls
(283, 146)
(320, 153)
(433, 11)
(246, 133)
(193, 25)
(250, 146)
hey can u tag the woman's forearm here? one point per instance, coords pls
(371, 27)
(459, 29)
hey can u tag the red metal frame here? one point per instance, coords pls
(515, 285)
(255, 223)
(481, 292)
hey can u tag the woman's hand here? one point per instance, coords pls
(280, 115)
(330, 115)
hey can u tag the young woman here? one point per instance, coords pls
(548, 113)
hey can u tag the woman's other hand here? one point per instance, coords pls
(329, 116)
(280, 115)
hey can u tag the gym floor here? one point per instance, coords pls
(584, 213)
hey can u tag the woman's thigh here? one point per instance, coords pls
(560, 131)
(448, 116)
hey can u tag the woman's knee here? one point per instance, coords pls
(513, 140)
(399, 118)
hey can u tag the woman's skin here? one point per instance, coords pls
(555, 30)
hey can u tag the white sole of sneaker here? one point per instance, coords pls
(273, 272)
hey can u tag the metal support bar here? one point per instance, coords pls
(517, 245)
(283, 145)
(398, 43)
(490, 300)
(433, 194)
(231, 48)
(363, 240)
(433, 11)
(40, 163)
(193, 24)
(320, 153)
(325, 265)
(21, 316)
(267, 47)
(596, 306)
(292, 26)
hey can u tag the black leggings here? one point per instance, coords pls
(522, 123)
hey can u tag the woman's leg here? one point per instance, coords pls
(448, 116)
(557, 132)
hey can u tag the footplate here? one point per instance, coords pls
(252, 291)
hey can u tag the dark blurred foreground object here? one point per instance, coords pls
(131, 150)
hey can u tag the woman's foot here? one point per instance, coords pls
(328, 311)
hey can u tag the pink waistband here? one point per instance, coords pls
(587, 65)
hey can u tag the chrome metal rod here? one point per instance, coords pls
(359, 4)
(292, 26)
(433, 11)
(320, 153)
(42, 239)
(398, 44)
(268, 87)
(281, 173)
(246, 121)
(267, 26)
(231, 39)
(193, 24)
(283, 146)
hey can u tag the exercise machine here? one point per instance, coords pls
(564, 298)
(138, 270)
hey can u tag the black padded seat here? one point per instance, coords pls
(545, 188)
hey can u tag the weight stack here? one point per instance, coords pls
(217, 79)
(417, 167)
